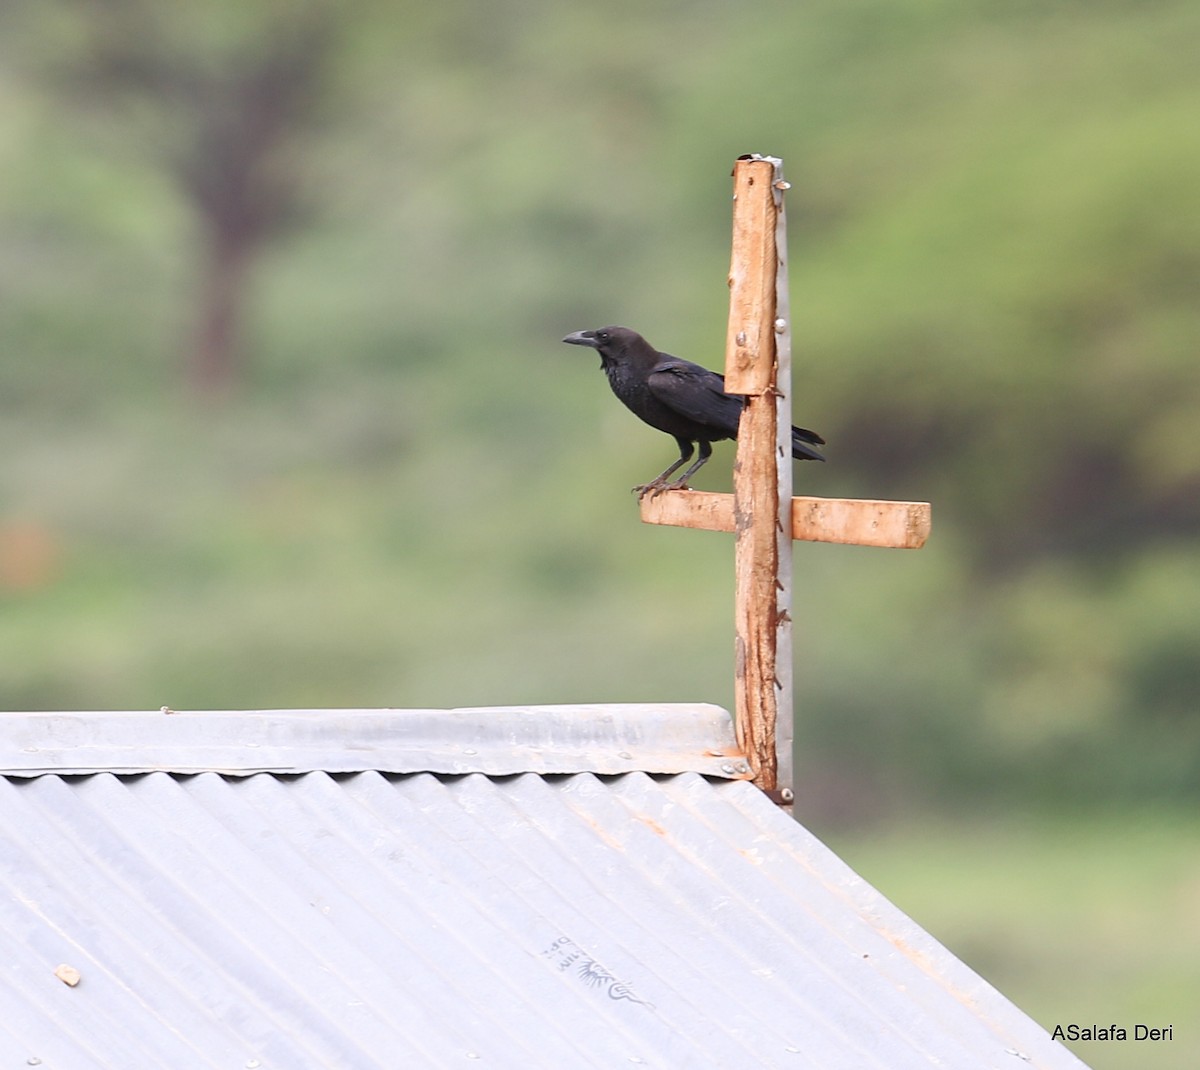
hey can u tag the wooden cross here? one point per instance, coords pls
(761, 509)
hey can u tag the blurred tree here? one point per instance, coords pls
(994, 268)
(219, 98)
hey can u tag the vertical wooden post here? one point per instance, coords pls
(762, 488)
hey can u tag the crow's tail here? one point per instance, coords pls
(801, 448)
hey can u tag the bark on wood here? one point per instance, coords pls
(750, 339)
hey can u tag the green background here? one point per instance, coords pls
(401, 490)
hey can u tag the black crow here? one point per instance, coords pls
(676, 396)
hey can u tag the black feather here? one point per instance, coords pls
(676, 396)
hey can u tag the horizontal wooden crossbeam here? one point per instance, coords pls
(849, 521)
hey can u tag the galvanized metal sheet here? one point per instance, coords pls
(381, 921)
(614, 738)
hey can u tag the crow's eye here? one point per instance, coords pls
(602, 335)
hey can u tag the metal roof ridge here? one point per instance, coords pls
(604, 738)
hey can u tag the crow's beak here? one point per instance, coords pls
(581, 338)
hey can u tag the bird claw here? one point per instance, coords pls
(654, 488)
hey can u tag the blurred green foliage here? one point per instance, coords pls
(417, 496)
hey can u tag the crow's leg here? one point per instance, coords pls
(682, 481)
(659, 482)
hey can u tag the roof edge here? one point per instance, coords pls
(498, 740)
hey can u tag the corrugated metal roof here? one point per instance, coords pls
(371, 920)
(611, 738)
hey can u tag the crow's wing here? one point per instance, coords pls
(696, 393)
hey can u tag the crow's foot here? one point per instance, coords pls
(657, 486)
